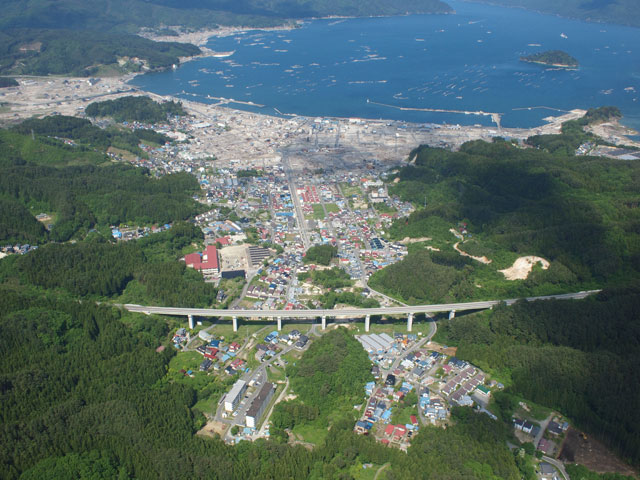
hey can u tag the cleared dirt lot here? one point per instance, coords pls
(592, 454)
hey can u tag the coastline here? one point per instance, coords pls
(547, 64)
(201, 37)
(40, 96)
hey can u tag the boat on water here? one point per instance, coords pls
(563, 35)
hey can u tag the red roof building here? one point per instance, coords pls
(206, 263)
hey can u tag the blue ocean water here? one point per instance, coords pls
(369, 67)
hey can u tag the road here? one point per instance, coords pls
(418, 345)
(543, 426)
(302, 223)
(258, 376)
(347, 312)
(558, 464)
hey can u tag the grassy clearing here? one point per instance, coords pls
(332, 208)
(311, 433)
(358, 472)
(224, 329)
(275, 374)
(420, 326)
(403, 415)
(318, 212)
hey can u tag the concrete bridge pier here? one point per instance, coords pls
(235, 324)
(324, 322)
(452, 314)
(367, 323)
(279, 323)
(409, 322)
(191, 322)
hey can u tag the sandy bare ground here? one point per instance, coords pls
(436, 347)
(521, 268)
(201, 37)
(213, 428)
(482, 259)
(408, 240)
(614, 132)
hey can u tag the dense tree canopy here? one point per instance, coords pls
(81, 53)
(579, 357)
(83, 132)
(579, 213)
(321, 254)
(138, 109)
(64, 180)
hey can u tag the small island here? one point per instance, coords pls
(553, 58)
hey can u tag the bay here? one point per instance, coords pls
(371, 67)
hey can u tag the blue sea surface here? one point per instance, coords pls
(372, 67)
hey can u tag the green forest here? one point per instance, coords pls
(87, 135)
(8, 82)
(578, 213)
(67, 37)
(145, 271)
(321, 254)
(552, 57)
(96, 401)
(78, 185)
(577, 357)
(130, 15)
(330, 375)
(135, 109)
(28, 51)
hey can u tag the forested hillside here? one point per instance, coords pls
(130, 15)
(77, 185)
(29, 51)
(624, 12)
(578, 213)
(95, 400)
(578, 357)
(69, 37)
(87, 135)
(135, 109)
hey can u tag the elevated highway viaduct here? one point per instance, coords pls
(324, 314)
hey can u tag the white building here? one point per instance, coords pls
(233, 397)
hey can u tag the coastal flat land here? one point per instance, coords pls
(251, 136)
(235, 135)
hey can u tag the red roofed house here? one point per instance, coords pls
(206, 263)
(389, 430)
(399, 432)
(414, 420)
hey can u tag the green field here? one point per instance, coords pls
(311, 433)
(332, 208)
(318, 212)
(358, 472)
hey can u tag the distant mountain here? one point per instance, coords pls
(85, 37)
(130, 15)
(624, 12)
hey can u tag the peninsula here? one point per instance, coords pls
(553, 58)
